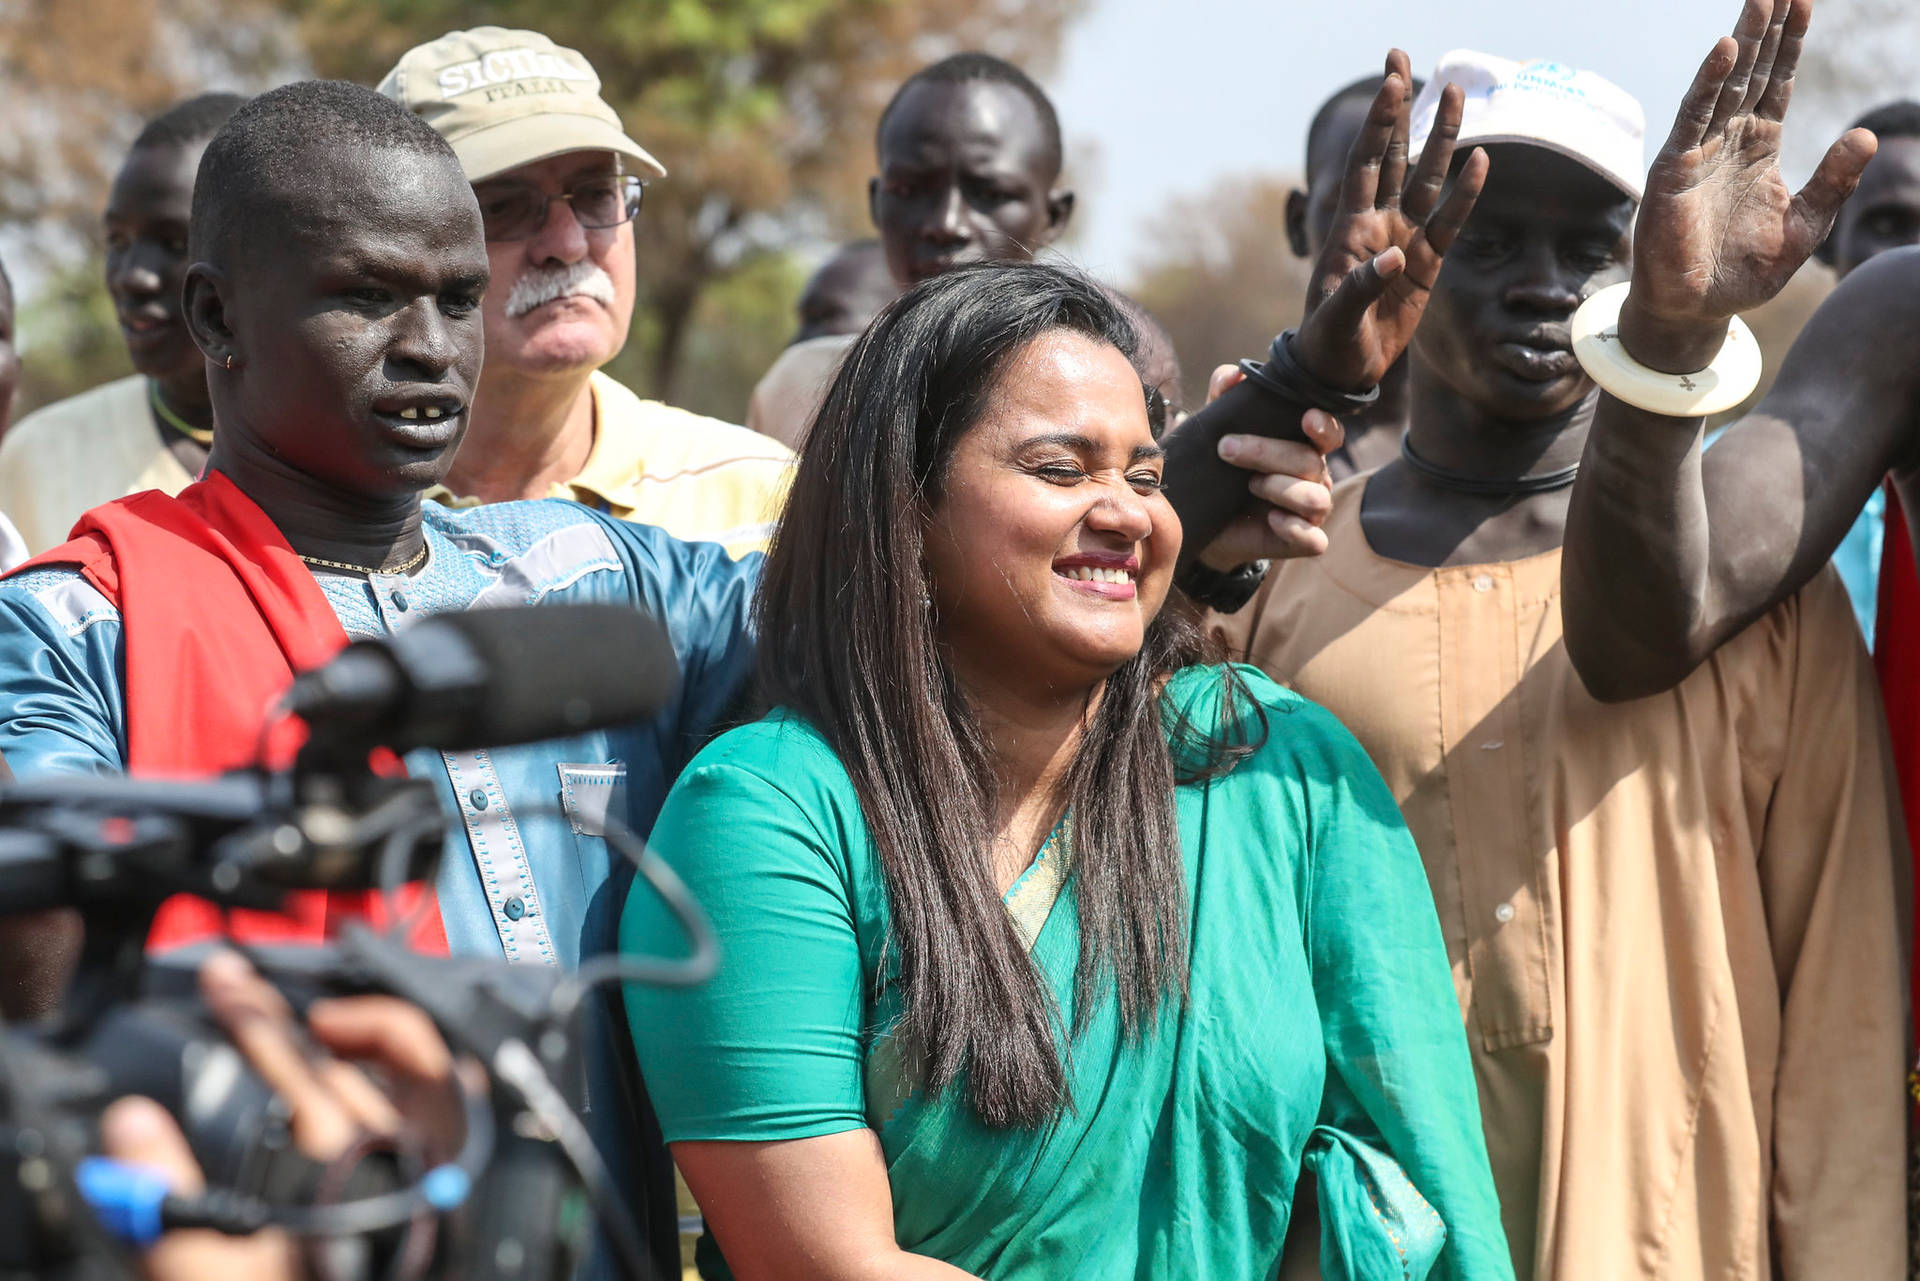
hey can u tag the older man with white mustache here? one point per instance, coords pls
(559, 184)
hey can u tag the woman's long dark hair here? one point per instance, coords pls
(848, 639)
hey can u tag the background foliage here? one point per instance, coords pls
(762, 111)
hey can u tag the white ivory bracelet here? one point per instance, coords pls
(1730, 379)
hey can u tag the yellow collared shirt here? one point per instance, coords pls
(698, 478)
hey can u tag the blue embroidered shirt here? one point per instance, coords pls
(526, 873)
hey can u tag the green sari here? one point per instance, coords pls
(1320, 1032)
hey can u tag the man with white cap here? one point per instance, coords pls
(1671, 921)
(560, 183)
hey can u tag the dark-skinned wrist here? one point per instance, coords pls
(1671, 345)
(1287, 375)
(1320, 366)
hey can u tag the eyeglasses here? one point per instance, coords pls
(516, 210)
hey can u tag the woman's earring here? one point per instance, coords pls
(229, 361)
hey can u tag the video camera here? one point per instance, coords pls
(520, 1198)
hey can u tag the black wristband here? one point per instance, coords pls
(1223, 593)
(1285, 376)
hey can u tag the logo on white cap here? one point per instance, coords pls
(504, 65)
(1542, 103)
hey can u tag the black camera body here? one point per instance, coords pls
(521, 1199)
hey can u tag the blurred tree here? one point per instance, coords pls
(76, 341)
(762, 111)
(82, 75)
(738, 328)
(1218, 275)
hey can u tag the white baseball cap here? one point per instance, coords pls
(505, 98)
(1543, 104)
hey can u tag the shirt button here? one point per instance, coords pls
(477, 798)
(399, 599)
(514, 908)
(1483, 582)
(1502, 914)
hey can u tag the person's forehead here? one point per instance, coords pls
(155, 179)
(381, 202)
(565, 167)
(1067, 380)
(990, 121)
(1534, 184)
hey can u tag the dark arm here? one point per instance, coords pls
(38, 951)
(1671, 552)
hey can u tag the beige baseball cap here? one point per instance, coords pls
(1582, 116)
(507, 98)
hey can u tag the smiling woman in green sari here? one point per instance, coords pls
(1046, 951)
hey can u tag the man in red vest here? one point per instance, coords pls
(338, 264)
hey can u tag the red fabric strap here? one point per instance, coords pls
(218, 614)
(1896, 653)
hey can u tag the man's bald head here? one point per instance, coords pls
(969, 154)
(259, 169)
(190, 121)
(846, 292)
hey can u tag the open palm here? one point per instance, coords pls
(1720, 231)
(1371, 282)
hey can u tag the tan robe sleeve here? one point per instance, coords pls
(1838, 1196)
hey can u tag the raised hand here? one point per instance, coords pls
(1371, 282)
(1720, 232)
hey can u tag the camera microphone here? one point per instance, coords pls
(491, 678)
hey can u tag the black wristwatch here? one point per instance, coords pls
(1223, 593)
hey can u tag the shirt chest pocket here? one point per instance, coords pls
(589, 793)
(591, 797)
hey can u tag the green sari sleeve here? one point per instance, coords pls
(770, 1048)
(1399, 1078)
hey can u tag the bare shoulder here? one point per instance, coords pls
(1879, 301)
(1848, 393)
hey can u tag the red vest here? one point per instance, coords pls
(218, 613)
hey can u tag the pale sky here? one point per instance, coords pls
(1164, 97)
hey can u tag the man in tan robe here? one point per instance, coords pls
(1672, 921)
